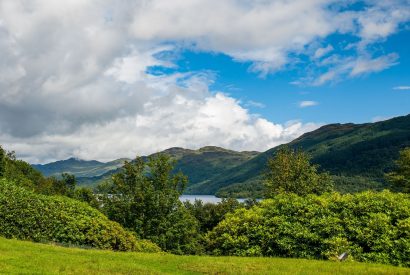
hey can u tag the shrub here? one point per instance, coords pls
(28, 216)
(372, 227)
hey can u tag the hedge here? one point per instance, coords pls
(370, 226)
(26, 215)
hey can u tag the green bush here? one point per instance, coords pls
(28, 216)
(371, 227)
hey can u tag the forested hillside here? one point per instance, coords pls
(354, 153)
(199, 165)
(357, 156)
(78, 167)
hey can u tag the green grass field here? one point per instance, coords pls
(19, 257)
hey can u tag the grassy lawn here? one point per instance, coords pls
(18, 257)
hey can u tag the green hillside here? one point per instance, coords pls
(21, 257)
(357, 155)
(352, 152)
(198, 165)
(207, 162)
(79, 168)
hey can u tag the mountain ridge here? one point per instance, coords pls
(352, 152)
(196, 164)
(347, 150)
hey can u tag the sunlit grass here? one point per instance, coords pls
(18, 257)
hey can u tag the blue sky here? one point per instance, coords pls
(366, 98)
(102, 79)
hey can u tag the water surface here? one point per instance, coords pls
(203, 198)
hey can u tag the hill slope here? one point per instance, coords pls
(79, 168)
(198, 165)
(348, 150)
(207, 162)
(358, 154)
(19, 257)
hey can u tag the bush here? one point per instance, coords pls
(28, 216)
(371, 227)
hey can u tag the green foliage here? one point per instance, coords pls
(64, 186)
(371, 227)
(19, 171)
(29, 216)
(85, 194)
(24, 175)
(144, 197)
(290, 171)
(210, 214)
(400, 177)
(2, 162)
(247, 189)
(353, 184)
(342, 184)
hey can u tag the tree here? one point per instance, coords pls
(2, 162)
(290, 171)
(86, 195)
(24, 175)
(400, 177)
(69, 182)
(64, 186)
(210, 214)
(144, 197)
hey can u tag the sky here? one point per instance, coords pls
(106, 79)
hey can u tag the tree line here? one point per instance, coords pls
(144, 198)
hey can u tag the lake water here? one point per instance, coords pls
(203, 198)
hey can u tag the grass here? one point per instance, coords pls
(21, 257)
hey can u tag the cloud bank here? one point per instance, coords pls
(74, 75)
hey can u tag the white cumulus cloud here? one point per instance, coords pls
(75, 81)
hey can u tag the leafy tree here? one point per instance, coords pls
(144, 197)
(400, 177)
(19, 171)
(86, 195)
(2, 162)
(24, 175)
(210, 214)
(64, 186)
(290, 171)
(69, 182)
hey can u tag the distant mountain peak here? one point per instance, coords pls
(74, 159)
(175, 150)
(212, 148)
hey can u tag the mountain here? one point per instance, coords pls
(354, 153)
(79, 168)
(357, 155)
(207, 162)
(198, 165)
